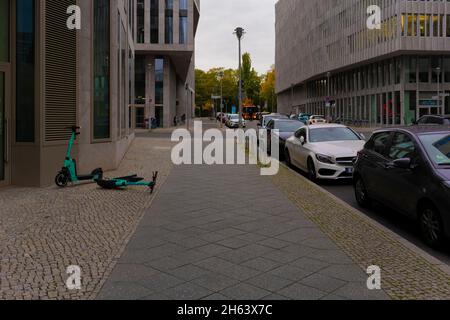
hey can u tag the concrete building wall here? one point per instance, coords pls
(325, 51)
(178, 61)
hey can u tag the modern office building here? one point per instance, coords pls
(165, 44)
(331, 61)
(53, 77)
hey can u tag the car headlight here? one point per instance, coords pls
(325, 159)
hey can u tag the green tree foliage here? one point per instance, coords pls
(252, 81)
(258, 89)
(208, 84)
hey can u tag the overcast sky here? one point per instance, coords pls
(216, 44)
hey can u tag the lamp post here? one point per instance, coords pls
(438, 73)
(220, 76)
(328, 97)
(239, 32)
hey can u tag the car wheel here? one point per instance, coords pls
(361, 194)
(61, 180)
(431, 227)
(312, 174)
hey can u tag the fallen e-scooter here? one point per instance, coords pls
(68, 172)
(123, 182)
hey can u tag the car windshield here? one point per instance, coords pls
(332, 134)
(437, 147)
(234, 117)
(288, 126)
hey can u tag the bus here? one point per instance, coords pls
(250, 112)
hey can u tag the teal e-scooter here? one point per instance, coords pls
(69, 172)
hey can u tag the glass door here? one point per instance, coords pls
(4, 127)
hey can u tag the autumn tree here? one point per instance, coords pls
(268, 94)
(251, 79)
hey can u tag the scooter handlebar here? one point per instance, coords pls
(74, 129)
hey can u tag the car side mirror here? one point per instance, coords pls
(302, 140)
(404, 163)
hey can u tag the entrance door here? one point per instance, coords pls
(4, 126)
(159, 114)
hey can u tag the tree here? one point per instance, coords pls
(208, 84)
(251, 79)
(268, 94)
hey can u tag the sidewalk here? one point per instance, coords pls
(45, 230)
(225, 232)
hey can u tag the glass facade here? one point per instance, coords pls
(159, 81)
(140, 68)
(154, 21)
(169, 22)
(4, 30)
(140, 36)
(25, 71)
(101, 69)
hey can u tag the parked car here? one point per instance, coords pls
(434, 120)
(283, 129)
(408, 169)
(316, 120)
(304, 117)
(324, 151)
(233, 121)
(267, 118)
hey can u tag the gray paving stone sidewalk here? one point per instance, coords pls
(225, 232)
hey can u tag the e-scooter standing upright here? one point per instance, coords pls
(69, 172)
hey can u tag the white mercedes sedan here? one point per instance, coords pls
(325, 151)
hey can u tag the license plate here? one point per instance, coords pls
(349, 170)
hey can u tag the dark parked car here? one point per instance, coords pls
(434, 120)
(408, 169)
(286, 129)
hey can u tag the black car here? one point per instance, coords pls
(408, 169)
(286, 129)
(434, 120)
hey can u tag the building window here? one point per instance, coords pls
(184, 5)
(140, 68)
(159, 81)
(4, 30)
(448, 25)
(169, 22)
(446, 65)
(25, 70)
(140, 21)
(424, 70)
(183, 30)
(101, 69)
(154, 21)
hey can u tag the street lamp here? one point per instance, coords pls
(220, 76)
(328, 98)
(239, 32)
(438, 73)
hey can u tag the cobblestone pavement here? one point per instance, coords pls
(225, 232)
(405, 274)
(43, 231)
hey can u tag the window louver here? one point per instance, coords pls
(60, 72)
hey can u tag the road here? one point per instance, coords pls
(402, 226)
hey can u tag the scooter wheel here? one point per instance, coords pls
(61, 180)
